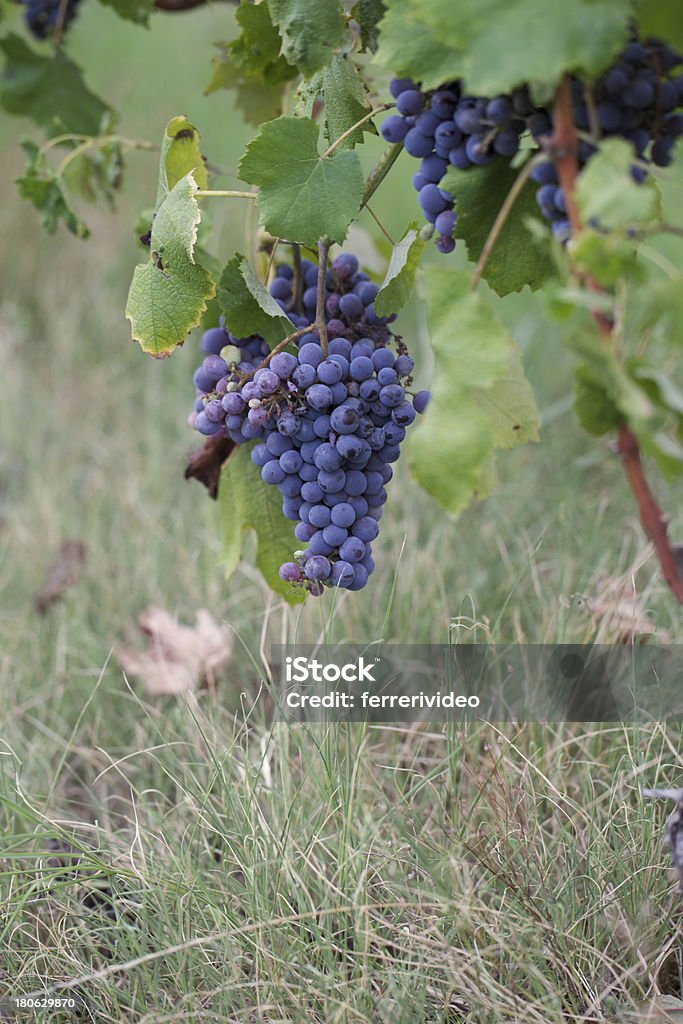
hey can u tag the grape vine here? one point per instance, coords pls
(549, 158)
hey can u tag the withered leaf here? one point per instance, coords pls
(205, 463)
(62, 573)
(179, 659)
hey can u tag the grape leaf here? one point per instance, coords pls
(400, 277)
(168, 294)
(607, 258)
(623, 392)
(662, 19)
(660, 309)
(344, 98)
(137, 11)
(247, 503)
(97, 171)
(518, 258)
(252, 65)
(481, 399)
(304, 196)
(248, 306)
(310, 30)
(49, 90)
(408, 46)
(491, 38)
(180, 155)
(593, 405)
(257, 100)
(606, 192)
(41, 186)
(368, 14)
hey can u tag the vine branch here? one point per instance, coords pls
(356, 126)
(380, 171)
(564, 147)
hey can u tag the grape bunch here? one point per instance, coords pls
(42, 16)
(635, 99)
(329, 424)
(449, 127)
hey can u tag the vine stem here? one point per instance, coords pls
(59, 24)
(207, 193)
(278, 348)
(379, 224)
(94, 142)
(380, 171)
(503, 214)
(323, 249)
(564, 147)
(355, 127)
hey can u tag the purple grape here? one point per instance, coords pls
(421, 401)
(394, 128)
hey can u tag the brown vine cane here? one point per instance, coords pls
(563, 148)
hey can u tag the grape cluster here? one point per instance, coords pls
(42, 16)
(449, 127)
(635, 99)
(329, 424)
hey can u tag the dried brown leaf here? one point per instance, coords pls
(179, 659)
(205, 463)
(62, 573)
(619, 614)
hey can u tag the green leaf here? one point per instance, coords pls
(607, 193)
(303, 196)
(257, 100)
(594, 408)
(409, 46)
(252, 65)
(137, 11)
(50, 90)
(168, 294)
(481, 399)
(662, 390)
(662, 19)
(310, 30)
(345, 101)
(180, 155)
(491, 39)
(518, 258)
(622, 391)
(666, 451)
(247, 503)
(400, 277)
(606, 258)
(248, 306)
(661, 308)
(45, 190)
(368, 14)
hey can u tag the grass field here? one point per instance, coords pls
(168, 860)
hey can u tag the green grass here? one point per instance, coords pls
(242, 872)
